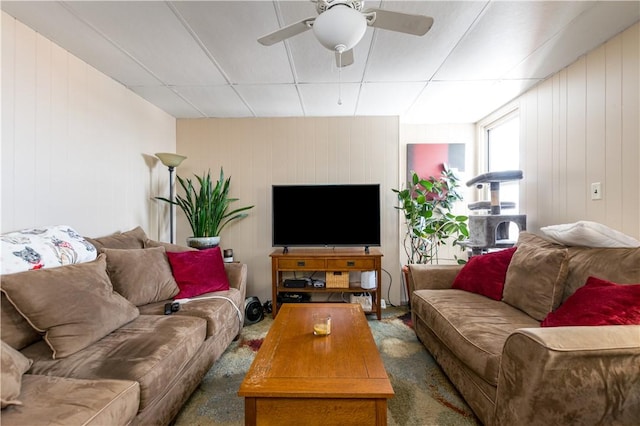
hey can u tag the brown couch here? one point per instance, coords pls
(512, 371)
(131, 364)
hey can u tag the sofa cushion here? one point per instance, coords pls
(134, 238)
(218, 312)
(74, 305)
(52, 400)
(588, 234)
(13, 365)
(598, 302)
(152, 350)
(198, 272)
(169, 247)
(471, 326)
(536, 278)
(14, 328)
(46, 247)
(618, 265)
(141, 275)
(485, 274)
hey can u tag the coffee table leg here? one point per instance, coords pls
(250, 411)
(381, 412)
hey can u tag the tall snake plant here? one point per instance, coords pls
(207, 209)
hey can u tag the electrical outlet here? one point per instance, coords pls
(596, 191)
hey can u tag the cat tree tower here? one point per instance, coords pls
(490, 230)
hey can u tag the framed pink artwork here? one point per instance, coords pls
(427, 159)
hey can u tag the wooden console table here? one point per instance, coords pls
(326, 260)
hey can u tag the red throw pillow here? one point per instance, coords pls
(598, 302)
(485, 274)
(198, 272)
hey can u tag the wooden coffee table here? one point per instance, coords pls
(301, 379)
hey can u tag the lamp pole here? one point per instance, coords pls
(171, 206)
(171, 161)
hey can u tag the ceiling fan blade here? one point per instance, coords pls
(286, 32)
(400, 22)
(346, 60)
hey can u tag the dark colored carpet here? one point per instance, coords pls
(423, 394)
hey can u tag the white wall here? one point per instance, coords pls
(581, 126)
(257, 153)
(76, 145)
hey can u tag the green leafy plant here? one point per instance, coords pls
(427, 205)
(208, 208)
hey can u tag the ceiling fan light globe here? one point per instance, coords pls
(340, 26)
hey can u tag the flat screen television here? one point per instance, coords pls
(345, 215)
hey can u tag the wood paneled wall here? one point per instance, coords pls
(582, 126)
(77, 147)
(258, 153)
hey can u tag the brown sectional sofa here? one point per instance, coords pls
(509, 369)
(142, 372)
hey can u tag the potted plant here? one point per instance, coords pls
(427, 205)
(207, 209)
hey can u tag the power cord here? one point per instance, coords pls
(389, 289)
(187, 300)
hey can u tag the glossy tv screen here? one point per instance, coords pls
(345, 215)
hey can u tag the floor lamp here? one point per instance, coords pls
(171, 161)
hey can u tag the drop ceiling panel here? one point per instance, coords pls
(56, 23)
(505, 35)
(396, 98)
(467, 100)
(215, 101)
(168, 101)
(151, 33)
(321, 100)
(402, 57)
(272, 100)
(237, 51)
(598, 23)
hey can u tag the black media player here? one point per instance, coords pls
(296, 283)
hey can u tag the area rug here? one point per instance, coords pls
(423, 394)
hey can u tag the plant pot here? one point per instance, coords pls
(202, 243)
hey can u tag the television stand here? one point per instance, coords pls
(326, 260)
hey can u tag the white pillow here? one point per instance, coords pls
(588, 234)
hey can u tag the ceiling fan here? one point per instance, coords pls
(340, 25)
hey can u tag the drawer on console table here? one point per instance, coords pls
(301, 263)
(346, 264)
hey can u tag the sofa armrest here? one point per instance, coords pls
(237, 274)
(577, 375)
(430, 277)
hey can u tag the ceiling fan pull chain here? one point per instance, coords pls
(340, 76)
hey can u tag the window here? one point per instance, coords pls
(503, 141)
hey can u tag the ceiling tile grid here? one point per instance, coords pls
(198, 59)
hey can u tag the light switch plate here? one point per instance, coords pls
(596, 191)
